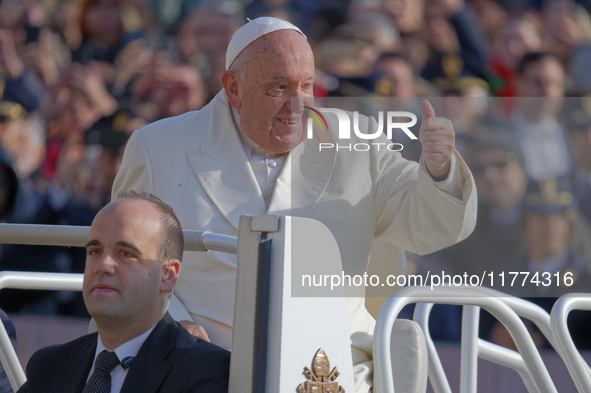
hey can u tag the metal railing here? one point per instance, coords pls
(484, 349)
(76, 236)
(576, 365)
(29, 280)
(529, 364)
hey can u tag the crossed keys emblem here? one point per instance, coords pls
(321, 379)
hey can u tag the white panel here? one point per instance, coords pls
(299, 326)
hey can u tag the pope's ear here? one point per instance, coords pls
(230, 82)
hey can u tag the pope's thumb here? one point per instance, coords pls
(427, 110)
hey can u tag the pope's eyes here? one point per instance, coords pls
(278, 90)
(281, 89)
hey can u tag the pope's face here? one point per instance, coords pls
(281, 68)
(122, 277)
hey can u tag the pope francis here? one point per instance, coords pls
(246, 152)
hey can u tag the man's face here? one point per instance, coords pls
(401, 74)
(541, 88)
(101, 18)
(546, 234)
(122, 277)
(544, 78)
(407, 15)
(500, 178)
(281, 68)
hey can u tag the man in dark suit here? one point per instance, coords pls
(133, 261)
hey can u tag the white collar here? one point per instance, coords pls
(250, 147)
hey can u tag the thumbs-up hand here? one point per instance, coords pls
(437, 138)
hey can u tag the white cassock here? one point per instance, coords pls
(197, 163)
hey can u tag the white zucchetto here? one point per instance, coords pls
(251, 31)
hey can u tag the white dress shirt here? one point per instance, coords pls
(129, 348)
(266, 166)
(544, 147)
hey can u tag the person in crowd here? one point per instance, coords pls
(246, 152)
(578, 121)
(542, 138)
(407, 15)
(37, 202)
(102, 31)
(568, 28)
(555, 259)
(18, 80)
(134, 253)
(398, 68)
(521, 35)
(493, 15)
(19, 83)
(202, 39)
(166, 90)
(497, 165)
(457, 43)
(23, 141)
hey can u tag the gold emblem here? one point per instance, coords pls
(452, 66)
(12, 110)
(321, 380)
(384, 86)
(549, 194)
(120, 121)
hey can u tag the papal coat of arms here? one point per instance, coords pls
(321, 380)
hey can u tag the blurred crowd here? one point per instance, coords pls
(78, 76)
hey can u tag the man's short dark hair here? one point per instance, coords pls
(532, 58)
(397, 55)
(172, 242)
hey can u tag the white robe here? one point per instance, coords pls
(196, 163)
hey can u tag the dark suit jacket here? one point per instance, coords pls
(169, 361)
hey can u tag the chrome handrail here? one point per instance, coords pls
(77, 236)
(471, 296)
(29, 280)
